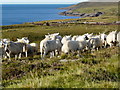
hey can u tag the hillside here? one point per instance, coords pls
(90, 9)
(90, 4)
(95, 70)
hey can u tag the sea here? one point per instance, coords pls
(21, 13)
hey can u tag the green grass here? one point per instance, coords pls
(97, 70)
(36, 33)
(88, 72)
(111, 10)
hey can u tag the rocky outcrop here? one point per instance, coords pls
(70, 13)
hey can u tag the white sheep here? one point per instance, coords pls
(66, 38)
(15, 48)
(31, 48)
(50, 46)
(47, 37)
(74, 38)
(94, 44)
(103, 37)
(111, 38)
(118, 38)
(73, 46)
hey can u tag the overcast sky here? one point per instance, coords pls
(42, 1)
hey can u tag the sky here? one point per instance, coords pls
(41, 1)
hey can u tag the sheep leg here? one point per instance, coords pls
(15, 57)
(26, 54)
(97, 48)
(79, 53)
(53, 53)
(105, 45)
(44, 54)
(20, 56)
(8, 54)
(56, 52)
(110, 45)
(41, 55)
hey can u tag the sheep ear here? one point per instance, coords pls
(18, 39)
(57, 33)
(46, 35)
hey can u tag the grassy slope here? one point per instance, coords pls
(97, 70)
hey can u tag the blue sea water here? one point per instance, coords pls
(21, 13)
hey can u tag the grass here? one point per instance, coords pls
(36, 33)
(96, 70)
(86, 72)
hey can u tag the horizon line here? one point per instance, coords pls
(37, 3)
(41, 3)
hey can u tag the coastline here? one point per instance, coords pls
(71, 13)
(18, 14)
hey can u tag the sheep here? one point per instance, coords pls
(83, 39)
(66, 38)
(3, 42)
(72, 46)
(111, 38)
(118, 38)
(23, 40)
(15, 48)
(47, 37)
(94, 44)
(103, 37)
(50, 46)
(2, 50)
(55, 36)
(74, 38)
(31, 48)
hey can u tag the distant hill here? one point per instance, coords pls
(92, 9)
(90, 4)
